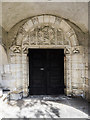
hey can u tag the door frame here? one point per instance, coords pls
(67, 89)
(29, 66)
(67, 68)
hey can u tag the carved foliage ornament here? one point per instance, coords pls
(46, 35)
(25, 49)
(15, 49)
(75, 51)
(67, 51)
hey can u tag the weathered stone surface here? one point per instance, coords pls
(64, 26)
(52, 19)
(46, 18)
(16, 96)
(1, 92)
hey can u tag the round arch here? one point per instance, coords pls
(46, 31)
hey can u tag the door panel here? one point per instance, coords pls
(46, 71)
(55, 78)
(37, 75)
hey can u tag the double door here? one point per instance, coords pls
(46, 71)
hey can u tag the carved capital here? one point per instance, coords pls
(15, 49)
(75, 51)
(67, 51)
(25, 49)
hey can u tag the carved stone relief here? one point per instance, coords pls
(22, 31)
(45, 30)
(32, 37)
(60, 37)
(25, 49)
(75, 51)
(47, 35)
(67, 51)
(35, 20)
(15, 49)
(25, 40)
(57, 20)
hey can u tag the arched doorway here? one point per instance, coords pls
(47, 32)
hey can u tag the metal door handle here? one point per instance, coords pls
(41, 68)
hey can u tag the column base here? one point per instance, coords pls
(26, 93)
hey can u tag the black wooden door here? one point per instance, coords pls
(46, 69)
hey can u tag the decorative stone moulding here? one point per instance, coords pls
(25, 49)
(70, 32)
(47, 30)
(19, 39)
(78, 50)
(35, 20)
(22, 30)
(25, 40)
(15, 49)
(67, 51)
(75, 51)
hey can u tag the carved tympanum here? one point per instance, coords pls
(47, 35)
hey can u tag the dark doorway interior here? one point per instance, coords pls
(46, 71)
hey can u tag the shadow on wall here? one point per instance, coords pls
(3, 56)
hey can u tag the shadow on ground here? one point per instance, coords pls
(48, 106)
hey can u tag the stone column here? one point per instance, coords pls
(69, 74)
(68, 71)
(78, 71)
(16, 70)
(25, 74)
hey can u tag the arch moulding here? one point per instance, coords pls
(45, 31)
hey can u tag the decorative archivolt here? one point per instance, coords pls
(45, 35)
(44, 30)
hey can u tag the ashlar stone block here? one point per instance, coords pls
(41, 19)
(64, 26)
(46, 18)
(52, 19)
(30, 24)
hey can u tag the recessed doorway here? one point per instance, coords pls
(46, 71)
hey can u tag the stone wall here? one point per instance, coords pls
(3, 55)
